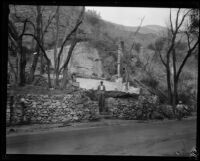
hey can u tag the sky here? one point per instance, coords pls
(131, 16)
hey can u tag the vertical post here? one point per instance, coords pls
(118, 61)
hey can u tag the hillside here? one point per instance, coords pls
(103, 36)
(146, 35)
(148, 29)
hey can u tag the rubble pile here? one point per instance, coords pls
(56, 108)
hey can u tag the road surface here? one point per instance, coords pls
(151, 139)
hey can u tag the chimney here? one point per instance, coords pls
(141, 50)
(122, 46)
(120, 52)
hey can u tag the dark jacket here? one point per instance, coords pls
(99, 88)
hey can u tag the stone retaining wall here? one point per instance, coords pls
(53, 109)
(141, 108)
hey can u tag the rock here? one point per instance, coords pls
(39, 106)
(39, 118)
(75, 118)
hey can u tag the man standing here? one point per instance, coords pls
(181, 110)
(101, 92)
(23, 106)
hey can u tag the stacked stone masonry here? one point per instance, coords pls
(53, 109)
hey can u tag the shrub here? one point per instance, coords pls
(150, 81)
(166, 111)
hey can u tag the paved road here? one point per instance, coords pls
(160, 138)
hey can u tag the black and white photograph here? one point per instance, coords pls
(102, 80)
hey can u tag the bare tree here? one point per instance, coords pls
(45, 55)
(65, 39)
(168, 56)
(41, 30)
(192, 46)
(16, 40)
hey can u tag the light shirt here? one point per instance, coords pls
(101, 87)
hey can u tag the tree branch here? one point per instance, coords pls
(13, 42)
(188, 40)
(174, 63)
(42, 49)
(69, 55)
(182, 20)
(170, 18)
(79, 21)
(12, 30)
(138, 29)
(49, 22)
(161, 58)
(24, 28)
(32, 24)
(186, 57)
(12, 68)
(177, 17)
(136, 32)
